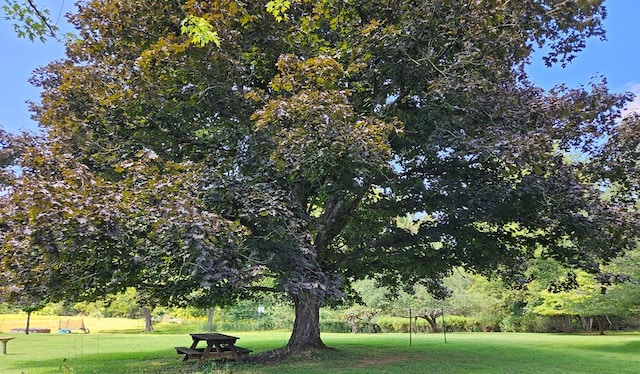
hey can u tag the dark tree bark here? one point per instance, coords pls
(433, 325)
(432, 319)
(600, 325)
(306, 327)
(28, 322)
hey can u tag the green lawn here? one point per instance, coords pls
(381, 353)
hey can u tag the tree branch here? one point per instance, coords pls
(43, 18)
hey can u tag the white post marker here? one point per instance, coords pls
(260, 312)
(4, 340)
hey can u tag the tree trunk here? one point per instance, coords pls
(306, 327)
(354, 326)
(568, 327)
(587, 323)
(600, 325)
(26, 332)
(210, 319)
(148, 324)
(433, 324)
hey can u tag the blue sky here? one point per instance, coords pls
(617, 59)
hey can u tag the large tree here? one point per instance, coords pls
(316, 125)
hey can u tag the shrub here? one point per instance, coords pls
(57, 309)
(400, 324)
(453, 323)
(522, 323)
(334, 325)
(461, 324)
(392, 324)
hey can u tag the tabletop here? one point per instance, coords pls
(214, 337)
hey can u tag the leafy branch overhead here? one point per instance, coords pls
(31, 21)
(199, 30)
(279, 8)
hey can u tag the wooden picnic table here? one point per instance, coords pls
(218, 346)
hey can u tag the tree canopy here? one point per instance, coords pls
(290, 147)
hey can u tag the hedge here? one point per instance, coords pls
(453, 323)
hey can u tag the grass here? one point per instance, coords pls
(362, 353)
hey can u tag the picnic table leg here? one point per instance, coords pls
(205, 353)
(235, 354)
(193, 346)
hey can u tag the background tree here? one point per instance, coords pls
(462, 294)
(317, 128)
(578, 298)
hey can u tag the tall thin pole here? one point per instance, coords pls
(410, 319)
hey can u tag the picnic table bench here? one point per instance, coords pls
(218, 346)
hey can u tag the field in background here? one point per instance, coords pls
(98, 325)
(94, 324)
(129, 351)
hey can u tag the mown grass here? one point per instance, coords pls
(362, 353)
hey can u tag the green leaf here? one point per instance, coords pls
(279, 8)
(199, 30)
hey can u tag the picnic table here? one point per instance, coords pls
(218, 346)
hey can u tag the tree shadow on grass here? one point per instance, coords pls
(631, 347)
